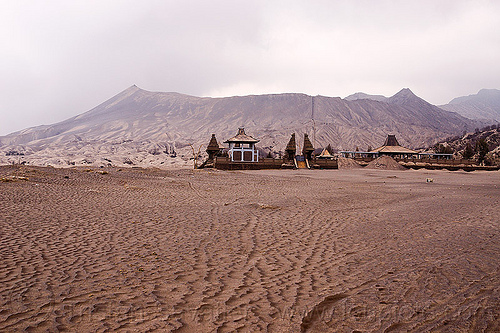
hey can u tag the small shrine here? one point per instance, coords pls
(242, 147)
(213, 148)
(308, 148)
(325, 154)
(290, 150)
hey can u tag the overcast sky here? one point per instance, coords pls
(61, 58)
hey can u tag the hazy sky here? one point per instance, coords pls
(62, 58)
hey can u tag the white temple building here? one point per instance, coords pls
(242, 147)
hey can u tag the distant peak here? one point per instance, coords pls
(133, 87)
(124, 94)
(130, 90)
(485, 96)
(488, 92)
(361, 95)
(405, 92)
(404, 96)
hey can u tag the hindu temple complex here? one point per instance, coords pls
(242, 154)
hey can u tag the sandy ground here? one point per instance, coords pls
(278, 251)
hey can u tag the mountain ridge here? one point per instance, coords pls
(483, 105)
(138, 122)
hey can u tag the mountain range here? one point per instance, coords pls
(483, 105)
(140, 127)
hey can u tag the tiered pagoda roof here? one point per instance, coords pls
(241, 137)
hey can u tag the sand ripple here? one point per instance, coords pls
(269, 251)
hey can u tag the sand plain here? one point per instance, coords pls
(143, 250)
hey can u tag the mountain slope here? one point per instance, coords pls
(490, 135)
(483, 105)
(144, 127)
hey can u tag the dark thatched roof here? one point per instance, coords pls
(391, 146)
(308, 147)
(391, 140)
(213, 145)
(291, 144)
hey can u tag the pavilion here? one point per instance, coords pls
(392, 148)
(242, 147)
